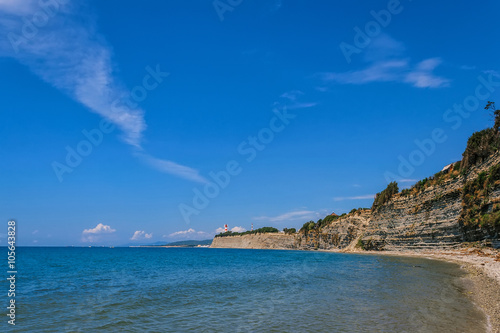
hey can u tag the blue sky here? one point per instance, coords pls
(164, 120)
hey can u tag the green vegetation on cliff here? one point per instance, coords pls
(318, 225)
(386, 195)
(478, 219)
(257, 231)
(477, 211)
(482, 144)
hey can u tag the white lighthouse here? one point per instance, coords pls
(225, 227)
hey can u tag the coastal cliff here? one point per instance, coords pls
(429, 218)
(432, 217)
(458, 205)
(277, 241)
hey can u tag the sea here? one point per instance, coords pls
(229, 290)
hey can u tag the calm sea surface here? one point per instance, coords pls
(227, 290)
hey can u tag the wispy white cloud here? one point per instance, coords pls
(292, 95)
(492, 72)
(384, 47)
(291, 101)
(407, 180)
(173, 168)
(422, 75)
(419, 76)
(68, 53)
(359, 197)
(383, 71)
(302, 105)
(93, 234)
(17, 7)
(141, 235)
(386, 63)
(293, 215)
(75, 59)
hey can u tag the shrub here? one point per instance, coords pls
(384, 196)
(475, 204)
(359, 244)
(480, 146)
(307, 226)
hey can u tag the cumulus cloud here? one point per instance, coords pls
(141, 235)
(189, 233)
(234, 229)
(92, 235)
(99, 229)
(238, 229)
(183, 232)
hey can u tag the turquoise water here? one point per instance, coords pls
(228, 290)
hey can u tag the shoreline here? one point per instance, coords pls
(481, 280)
(481, 267)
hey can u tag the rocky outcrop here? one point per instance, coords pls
(338, 235)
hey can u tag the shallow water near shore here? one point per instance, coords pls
(229, 290)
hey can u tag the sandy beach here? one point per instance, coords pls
(482, 281)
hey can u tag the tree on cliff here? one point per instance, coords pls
(496, 113)
(384, 196)
(482, 144)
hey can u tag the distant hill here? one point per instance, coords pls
(190, 243)
(186, 243)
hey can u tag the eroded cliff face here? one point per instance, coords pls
(257, 241)
(429, 219)
(340, 234)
